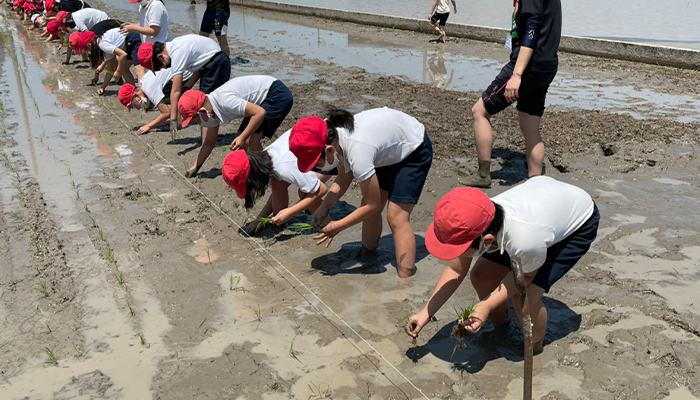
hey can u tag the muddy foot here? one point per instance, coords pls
(478, 181)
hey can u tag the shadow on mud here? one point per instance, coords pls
(494, 343)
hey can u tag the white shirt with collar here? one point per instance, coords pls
(286, 169)
(154, 14)
(86, 18)
(230, 99)
(190, 52)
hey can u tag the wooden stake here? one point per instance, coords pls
(526, 325)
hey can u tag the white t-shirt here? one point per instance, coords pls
(86, 18)
(190, 52)
(153, 84)
(285, 164)
(154, 15)
(538, 214)
(442, 7)
(230, 99)
(382, 137)
(111, 40)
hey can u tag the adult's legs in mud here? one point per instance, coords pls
(399, 217)
(485, 276)
(534, 146)
(372, 226)
(483, 136)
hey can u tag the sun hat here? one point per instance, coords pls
(461, 216)
(126, 93)
(307, 141)
(145, 55)
(52, 28)
(236, 170)
(190, 102)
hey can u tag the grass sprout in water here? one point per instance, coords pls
(50, 354)
(459, 331)
(301, 227)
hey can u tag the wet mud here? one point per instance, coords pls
(140, 285)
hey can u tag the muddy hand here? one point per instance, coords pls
(192, 172)
(173, 130)
(475, 321)
(418, 321)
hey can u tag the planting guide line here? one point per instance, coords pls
(279, 263)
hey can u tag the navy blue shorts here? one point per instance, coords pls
(133, 42)
(214, 21)
(404, 181)
(531, 94)
(439, 17)
(277, 105)
(562, 256)
(214, 73)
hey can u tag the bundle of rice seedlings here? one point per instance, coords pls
(459, 331)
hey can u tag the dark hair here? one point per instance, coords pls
(97, 56)
(494, 227)
(259, 177)
(337, 118)
(158, 48)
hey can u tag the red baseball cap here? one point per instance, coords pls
(307, 141)
(52, 28)
(190, 102)
(61, 18)
(134, 1)
(236, 169)
(126, 93)
(145, 55)
(74, 40)
(461, 216)
(85, 39)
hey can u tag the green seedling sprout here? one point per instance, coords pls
(235, 283)
(292, 352)
(109, 255)
(411, 325)
(36, 245)
(258, 312)
(44, 324)
(101, 233)
(92, 221)
(87, 209)
(50, 354)
(172, 212)
(17, 217)
(320, 391)
(41, 287)
(120, 277)
(131, 309)
(208, 255)
(35, 268)
(142, 338)
(77, 193)
(459, 331)
(301, 227)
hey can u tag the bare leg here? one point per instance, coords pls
(399, 217)
(485, 277)
(483, 135)
(255, 142)
(223, 43)
(534, 146)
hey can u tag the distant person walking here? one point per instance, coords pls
(534, 39)
(438, 17)
(216, 19)
(153, 22)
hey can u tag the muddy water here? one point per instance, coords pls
(448, 67)
(668, 23)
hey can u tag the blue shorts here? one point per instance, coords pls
(404, 181)
(133, 42)
(531, 94)
(277, 105)
(215, 73)
(562, 256)
(213, 21)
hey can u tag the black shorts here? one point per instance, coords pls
(215, 73)
(531, 94)
(133, 42)
(277, 105)
(101, 27)
(215, 21)
(404, 181)
(562, 256)
(439, 17)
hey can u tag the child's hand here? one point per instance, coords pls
(239, 144)
(100, 92)
(327, 234)
(252, 226)
(477, 318)
(127, 28)
(319, 217)
(143, 129)
(418, 321)
(282, 217)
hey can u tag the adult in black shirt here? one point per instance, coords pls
(216, 19)
(535, 35)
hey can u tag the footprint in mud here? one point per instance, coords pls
(203, 252)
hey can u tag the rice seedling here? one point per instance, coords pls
(208, 255)
(322, 390)
(109, 255)
(301, 227)
(411, 325)
(87, 209)
(258, 312)
(45, 325)
(459, 331)
(35, 268)
(120, 277)
(41, 287)
(92, 221)
(131, 309)
(235, 283)
(142, 338)
(292, 352)
(36, 245)
(171, 210)
(50, 354)
(101, 233)
(17, 217)
(77, 193)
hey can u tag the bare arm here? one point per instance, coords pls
(257, 116)
(175, 97)
(152, 30)
(288, 213)
(432, 9)
(454, 5)
(338, 189)
(164, 114)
